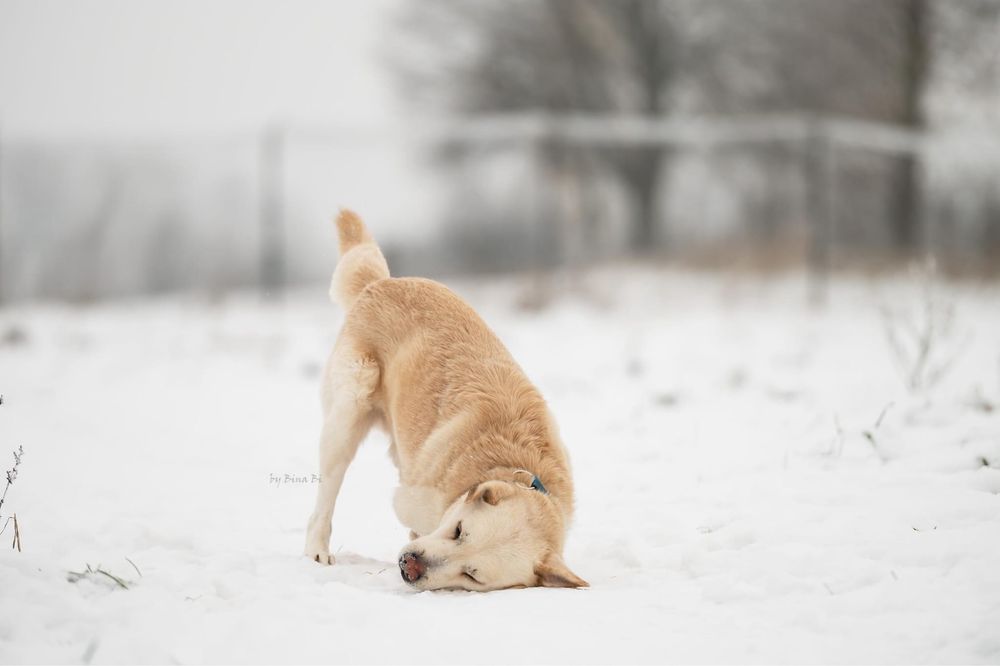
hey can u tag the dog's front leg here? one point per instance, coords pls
(345, 424)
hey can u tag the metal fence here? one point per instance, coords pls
(820, 148)
(257, 183)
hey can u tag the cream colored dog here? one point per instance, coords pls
(485, 483)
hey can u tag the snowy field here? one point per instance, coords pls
(755, 483)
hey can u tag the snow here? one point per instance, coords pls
(731, 507)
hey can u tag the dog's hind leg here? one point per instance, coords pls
(348, 415)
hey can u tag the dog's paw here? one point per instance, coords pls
(320, 555)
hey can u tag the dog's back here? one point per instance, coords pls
(437, 358)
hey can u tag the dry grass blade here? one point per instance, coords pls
(134, 567)
(75, 576)
(112, 577)
(881, 416)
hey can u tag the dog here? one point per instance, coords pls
(485, 482)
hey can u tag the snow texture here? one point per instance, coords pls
(755, 484)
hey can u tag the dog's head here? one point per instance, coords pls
(499, 535)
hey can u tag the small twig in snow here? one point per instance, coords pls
(836, 445)
(12, 473)
(113, 577)
(134, 567)
(919, 337)
(77, 575)
(870, 434)
(881, 416)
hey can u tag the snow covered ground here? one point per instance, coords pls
(755, 484)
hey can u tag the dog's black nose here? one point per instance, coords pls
(411, 567)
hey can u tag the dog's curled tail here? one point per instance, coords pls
(361, 262)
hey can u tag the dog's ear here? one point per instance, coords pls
(553, 572)
(491, 492)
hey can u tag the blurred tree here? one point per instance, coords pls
(963, 99)
(906, 221)
(554, 55)
(843, 58)
(851, 58)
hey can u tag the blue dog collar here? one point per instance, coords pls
(536, 483)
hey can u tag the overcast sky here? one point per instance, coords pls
(140, 67)
(185, 72)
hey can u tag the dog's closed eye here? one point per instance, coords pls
(458, 531)
(471, 577)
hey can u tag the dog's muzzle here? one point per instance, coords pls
(411, 567)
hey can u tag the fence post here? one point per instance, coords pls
(3, 264)
(537, 143)
(271, 170)
(819, 168)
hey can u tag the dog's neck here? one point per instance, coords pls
(516, 453)
(518, 475)
(522, 476)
